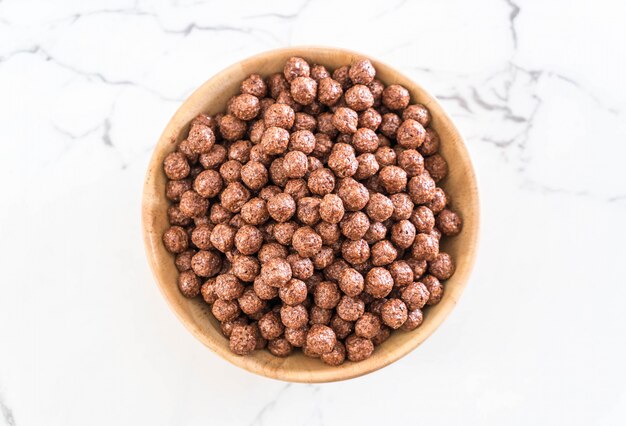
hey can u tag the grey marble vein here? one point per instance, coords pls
(515, 9)
(457, 98)
(493, 107)
(260, 415)
(6, 411)
(283, 16)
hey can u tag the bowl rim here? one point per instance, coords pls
(154, 166)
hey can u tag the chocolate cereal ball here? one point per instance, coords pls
(401, 273)
(254, 85)
(396, 97)
(301, 267)
(350, 309)
(421, 188)
(304, 121)
(437, 167)
(353, 194)
(411, 162)
(425, 247)
(276, 271)
(354, 225)
(228, 287)
(393, 178)
(379, 208)
(326, 295)
(243, 339)
(431, 143)
(296, 336)
(329, 232)
(438, 202)
(254, 175)
(423, 219)
(271, 326)
(342, 75)
(193, 204)
(296, 67)
(415, 295)
(271, 250)
(345, 120)
(175, 239)
(367, 166)
(449, 223)
(294, 317)
(383, 253)
(281, 207)
(296, 164)
(206, 263)
(329, 91)
(248, 240)
(246, 268)
(414, 320)
(231, 171)
(417, 112)
(175, 188)
(176, 166)
(245, 106)
(355, 251)
(275, 140)
(283, 232)
(277, 83)
(434, 287)
(359, 98)
(320, 339)
(342, 160)
(255, 211)
(403, 234)
(410, 134)
(183, 260)
(442, 267)
(323, 258)
(378, 282)
(225, 310)
(188, 284)
(362, 72)
(394, 313)
(376, 232)
(234, 196)
(389, 125)
(279, 115)
(304, 90)
(319, 315)
(232, 128)
(367, 326)
(321, 182)
(279, 347)
(223, 237)
(319, 72)
(297, 188)
(263, 289)
(358, 348)
(303, 141)
(208, 291)
(331, 208)
(335, 357)
(365, 140)
(208, 184)
(294, 292)
(306, 241)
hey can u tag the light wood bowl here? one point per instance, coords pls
(211, 98)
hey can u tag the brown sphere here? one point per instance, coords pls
(378, 282)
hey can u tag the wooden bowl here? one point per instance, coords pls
(211, 98)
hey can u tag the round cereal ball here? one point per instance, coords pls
(342, 160)
(438, 202)
(423, 219)
(188, 284)
(421, 188)
(415, 295)
(342, 328)
(396, 97)
(383, 253)
(304, 90)
(294, 317)
(275, 140)
(176, 166)
(228, 326)
(269, 191)
(223, 237)
(389, 125)
(325, 126)
(296, 67)
(382, 335)
(304, 121)
(296, 336)
(243, 339)
(320, 339)
(281, 207)
(365, 140)
(296, 164)
(345, 120)
(175, 239)
(411, 162)
(294, 292)
(297, 188)
(193, 204)
(255, 212)
(329, 91)
(271, 326)
(376, 232)
(334, 270)
(234, 196)
(401, 273)
(319, 315)
(414, 320)
(302, 141)
(248, 239)
(358, 348)
(403, 234)
(393, 178)
(256, 132)
(205, 120)
(279, 115)
(277, 83)
(245, 106)
(370, 119)
(183, 260)
(410, 134)
(379, 208)
(219, 214)
(231, 171)
(434, 287)
(385, 156)
(362, 72)
(367, 166)
(442, 267)
(323, 146)
(225, 310)
(354, 195)
(237, 221)
(277, 172)
(417, 112)
(417, 266)
(329, 232)
(301, 267)
(246, 268)
(232, 128)
(250, 303)
(425, 247)
(283, 232)
(321, 181)
(431, 143)
(354, 225)
(449, 223)
(208, 291)
(271, 250)
(326, 295)
(367, 326)
(319, 72)
(228, 287)
(323, 258)
(214, 158)
(254, 175)
(402, 206)
(378, 282)
(279, 347)
(306, 241)
(355, 251)
(331, 208)
(176, 217)
(375, 305)
(254, 85)
(206, 263)
(264, 290)
(335, 357)
(359, 97)
(175, 188)
(394, 313)
(350, 309)
(437, 167)
(341, 74)
(276, 271)
(208, 184)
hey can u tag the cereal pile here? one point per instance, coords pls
(308, 215)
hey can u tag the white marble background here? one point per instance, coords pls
(536, 87)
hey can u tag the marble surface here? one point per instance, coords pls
(536, 87)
